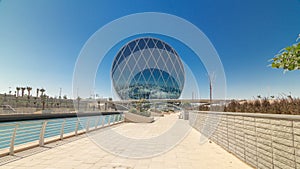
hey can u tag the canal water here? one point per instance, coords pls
(29, 131)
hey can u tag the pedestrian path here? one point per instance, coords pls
(85, 153)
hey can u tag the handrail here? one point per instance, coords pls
(22, 133)
(9, 106)
(12, 142)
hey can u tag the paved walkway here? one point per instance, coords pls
(84, 153)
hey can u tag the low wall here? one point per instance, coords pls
(262, 140)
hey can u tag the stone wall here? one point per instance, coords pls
(262, 140)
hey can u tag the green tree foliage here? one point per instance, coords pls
(288, 58)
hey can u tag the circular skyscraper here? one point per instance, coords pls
(147, 68)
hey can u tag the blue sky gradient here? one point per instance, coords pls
(40, 40)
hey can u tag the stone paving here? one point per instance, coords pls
(84, 153)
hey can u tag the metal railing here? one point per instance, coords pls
(21, 135)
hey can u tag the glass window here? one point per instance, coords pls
(127, 52)
(151, 44)
(168, 48)
(146, 54)
(142, 44)
(132, 45)
(159, 45)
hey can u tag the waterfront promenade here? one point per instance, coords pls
(82, 152)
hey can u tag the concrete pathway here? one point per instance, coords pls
(83, 153)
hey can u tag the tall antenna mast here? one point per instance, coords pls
(211, 78)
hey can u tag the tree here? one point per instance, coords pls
(43, 98)
(288, 58)
(42, 91)
(28, 97)
(23, 89)
(37, 92)
(18, 90)
(28, 90)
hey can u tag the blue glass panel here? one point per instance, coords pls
(151, 44)
(126, 52)
(159, 45)
(137, 46)
(142, 44)
(124, 55)
(132, 45)
(168, 48)
(120, 58)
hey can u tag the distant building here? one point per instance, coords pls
(147, 68)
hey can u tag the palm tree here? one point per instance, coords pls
(28, 97)
(37, 92)
(23, 89)
(43, 97)
(28, 90)
(18, 90)
(42, 90)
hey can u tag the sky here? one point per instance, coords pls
(41, 40)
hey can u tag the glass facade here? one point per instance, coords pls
(147, 68)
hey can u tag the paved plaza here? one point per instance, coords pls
(83, 152)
